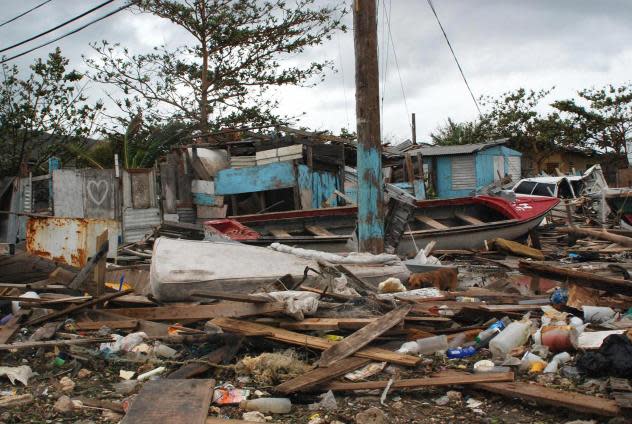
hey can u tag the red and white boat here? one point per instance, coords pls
(461, 223)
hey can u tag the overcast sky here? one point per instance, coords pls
(501, 44)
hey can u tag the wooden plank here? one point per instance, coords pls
(171, 402)
(284, 336)
(223, 309)
(318, 231)
(129, 324)
(236, 297)
(86, 271)
(317, 376)
(557, 398)
(312, 324)
(349, 345)
(52, 343)
(9, 329)
(99, 269)
(580, 278)
(69, 310)
(431, 222)
(411, 383)
(469, 219)
(222, 355)
(278, 232)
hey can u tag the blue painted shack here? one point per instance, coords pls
(459, 170)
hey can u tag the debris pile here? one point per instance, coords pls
(218, 330)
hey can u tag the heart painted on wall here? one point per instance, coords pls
(98, 191)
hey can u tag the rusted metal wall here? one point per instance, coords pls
(69, 240)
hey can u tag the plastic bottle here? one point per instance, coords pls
(559, 359)
(516, 334)
(461, 352)
(493, 329)
(426, 345)
(434, 344)
(267, 405)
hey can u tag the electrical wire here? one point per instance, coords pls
(401, 82)
(105, 3)
(25, 13)
(454, 56)
(74, 31)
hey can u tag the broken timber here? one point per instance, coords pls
(29, 345)
(557, 398)
(363, 337)
(424, 382)
(580, 278)
(75, 308)
(197, 312)
(85, 272)
(318, 376)
(280, 335)
(598, 234)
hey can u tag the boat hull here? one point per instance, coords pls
(511, 221)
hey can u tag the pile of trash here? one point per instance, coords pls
(320, 338)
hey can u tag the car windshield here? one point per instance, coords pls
(544, 189)
(525, 187)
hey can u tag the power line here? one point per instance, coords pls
(105, 3)
(25, 13)
(74, 31)
(454, 56)
(401, 82)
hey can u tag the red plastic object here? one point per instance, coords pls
(232, 229)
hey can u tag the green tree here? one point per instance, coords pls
(468, 132)
(239, 50)
(41, 113)
(603, 116)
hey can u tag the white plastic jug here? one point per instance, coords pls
(516, 334)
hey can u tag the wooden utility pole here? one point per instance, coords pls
(414, 128)
(369, 154)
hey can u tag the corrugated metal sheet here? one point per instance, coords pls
(139, 222)
(460, 149)
(69, 240)
(187, 215)
(463, 172)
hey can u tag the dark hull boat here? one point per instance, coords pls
(462, 223)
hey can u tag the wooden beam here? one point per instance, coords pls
(235, 297)
(598, 234)
(223, 309)
(318, 231)
(284, 336)
(413, 383)
(52, 343)
(580, 278)
(280, 233)
(129, 324)
(80, 279)
(318, 376)
(315, 324)
(431, 222)
(69, 310)
(557, 398)
(100, 267)
(469, 219)
(9, 329)
(351, 344)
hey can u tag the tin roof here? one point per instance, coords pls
(458, 149)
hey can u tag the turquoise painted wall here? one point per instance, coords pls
(255, 178)
(321, 184)
(484, 168)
